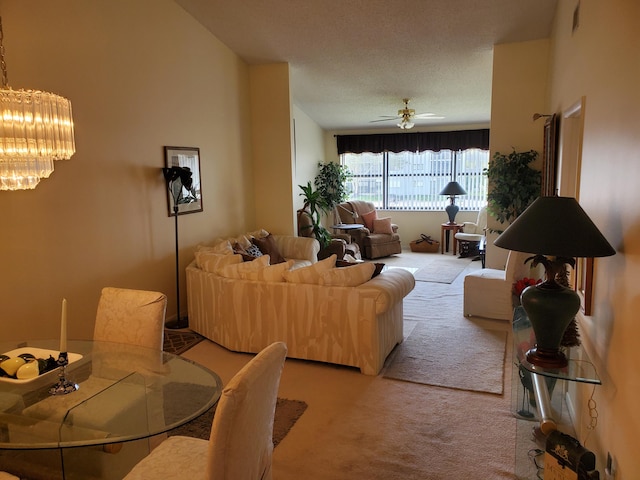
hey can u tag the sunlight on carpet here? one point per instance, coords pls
(461, 358)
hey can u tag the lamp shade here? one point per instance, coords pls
(555, 226)
(453, 188)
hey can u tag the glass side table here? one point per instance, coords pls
(538, 396)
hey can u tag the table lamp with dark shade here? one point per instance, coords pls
(452, 189)
(553, 227)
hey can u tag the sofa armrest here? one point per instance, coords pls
(390, 287)
(297, 248)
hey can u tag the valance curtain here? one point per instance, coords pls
(414, 142)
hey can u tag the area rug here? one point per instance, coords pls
(470, 358)
(287, 414)
(179, 341)
(442, 269)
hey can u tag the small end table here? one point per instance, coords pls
(444, 234)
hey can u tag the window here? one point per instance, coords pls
(413, 180)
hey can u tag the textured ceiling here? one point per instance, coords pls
(352, 61)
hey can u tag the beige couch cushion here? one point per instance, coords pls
(239, 269)
(311, 274)
(351, 276)
(271, 273)
(211, 262)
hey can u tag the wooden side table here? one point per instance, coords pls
(444, 234)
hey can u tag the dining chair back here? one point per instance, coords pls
(133, 317)
(240, 446)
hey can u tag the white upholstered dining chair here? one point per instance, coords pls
(241, 443)
(133, 317)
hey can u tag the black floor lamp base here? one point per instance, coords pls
(177, 323)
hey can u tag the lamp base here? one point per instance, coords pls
(177, 323)
(547, 358)
(452, 210)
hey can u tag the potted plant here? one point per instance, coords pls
(331, 183)
(315, 206)
(513, 184)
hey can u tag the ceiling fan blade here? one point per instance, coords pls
(386, 119)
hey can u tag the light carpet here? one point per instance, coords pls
(462, 358)
(441, 268)
(429, 267)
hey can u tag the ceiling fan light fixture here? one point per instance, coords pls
(406, 124)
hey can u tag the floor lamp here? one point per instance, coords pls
(177, 178)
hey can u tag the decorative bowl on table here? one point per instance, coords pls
(26, 364)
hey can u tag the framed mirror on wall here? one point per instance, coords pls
(549, 164)
(187, 195)
(569, 185)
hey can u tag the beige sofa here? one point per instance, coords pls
(348, 325)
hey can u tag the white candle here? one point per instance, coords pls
(63, 327)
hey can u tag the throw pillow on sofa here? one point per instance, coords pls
(271, 273)
(267, 246)
(248, 254)
(211, 262)
(311, 273)
(236, 271)
(222, 247)
(348, 276)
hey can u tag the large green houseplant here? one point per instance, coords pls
(331, 183)
(513, 184)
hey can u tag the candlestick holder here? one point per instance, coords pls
(63, 386)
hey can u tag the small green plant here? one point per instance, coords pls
(513, 184)
(331, 183)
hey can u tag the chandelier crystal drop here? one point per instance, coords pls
(36, 128)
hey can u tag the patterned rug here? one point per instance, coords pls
(287, 414)
(179, 341)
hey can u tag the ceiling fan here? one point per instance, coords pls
(406, 116)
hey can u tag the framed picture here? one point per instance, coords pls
(549, 167)
(184, 189)
(584, 283)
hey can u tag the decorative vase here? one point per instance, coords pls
(550, 308)
(452, 210)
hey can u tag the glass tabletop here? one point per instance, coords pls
(124, 393)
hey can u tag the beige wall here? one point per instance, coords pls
(140, 75)
(272, 143)
(309, 152)
(519, 89)
(600, 61)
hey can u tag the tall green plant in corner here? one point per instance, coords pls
(316, 206)
(513, 184)
(331, 183)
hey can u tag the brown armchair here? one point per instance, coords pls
(373, 243)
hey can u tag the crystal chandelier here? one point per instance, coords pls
(36, 128)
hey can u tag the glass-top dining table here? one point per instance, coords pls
(125, 394)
